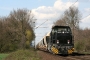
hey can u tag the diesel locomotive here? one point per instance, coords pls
(58, 41)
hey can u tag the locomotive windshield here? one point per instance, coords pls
(63, 30)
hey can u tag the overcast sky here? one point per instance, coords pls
(47, 10)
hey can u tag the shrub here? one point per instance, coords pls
(23, 55)
(80, 46)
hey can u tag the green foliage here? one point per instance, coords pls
(2, 56)
(8, 47)
(27, 44)
(29, 35)
(23, 55)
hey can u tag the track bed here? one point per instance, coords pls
(49, 56)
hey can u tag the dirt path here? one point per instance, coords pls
(48, 56)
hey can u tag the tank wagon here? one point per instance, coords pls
(58, 41)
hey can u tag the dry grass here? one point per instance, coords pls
(23, 55)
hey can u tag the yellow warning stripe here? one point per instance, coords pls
(70, 51)
(54, 50)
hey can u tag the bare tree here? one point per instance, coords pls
(71, 17)
(61, 22)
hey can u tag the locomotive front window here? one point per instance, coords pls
(63, 30)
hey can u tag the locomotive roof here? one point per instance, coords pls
(48, 34)
(60, 26)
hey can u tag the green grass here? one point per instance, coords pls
(23, 55)
(2, 56)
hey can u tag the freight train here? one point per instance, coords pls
(58, 41)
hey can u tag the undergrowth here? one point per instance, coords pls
(23, 55)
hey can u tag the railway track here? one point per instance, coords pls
(49, 56)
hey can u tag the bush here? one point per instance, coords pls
(80, 46)
(23, 55)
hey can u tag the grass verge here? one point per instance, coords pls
(23, 55)
(2, 56)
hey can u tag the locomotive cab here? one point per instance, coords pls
(61, 40)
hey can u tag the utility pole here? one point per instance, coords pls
(33, 25)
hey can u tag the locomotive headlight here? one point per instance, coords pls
(57, 41)
(68, 41)
(63, 32)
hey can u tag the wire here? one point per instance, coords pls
(85, 17)
(40, 24)
(74, 3)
